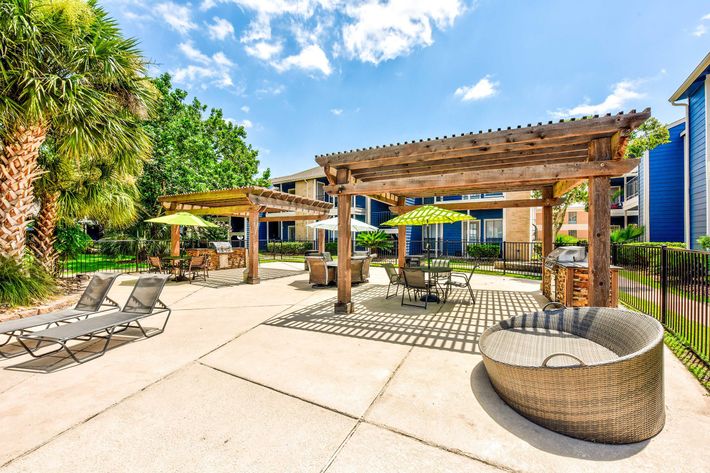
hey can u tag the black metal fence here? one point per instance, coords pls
(670, 284)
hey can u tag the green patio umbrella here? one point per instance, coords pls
(184, 219)
(427, 215)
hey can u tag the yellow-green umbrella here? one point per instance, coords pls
(184, 219)
(427, 215)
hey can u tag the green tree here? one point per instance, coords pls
(65, 71)
(374, 241)
(194, 150)
(646, 137)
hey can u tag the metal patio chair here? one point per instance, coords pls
(198, 266)
(394, 280)
(415, 282)
(95, 297)
(463, 281)
(156, 266)
(142, 303)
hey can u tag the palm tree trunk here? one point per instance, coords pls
(42, 243)
(18, 171)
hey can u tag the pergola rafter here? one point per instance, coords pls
(247, 202)
(552, 158)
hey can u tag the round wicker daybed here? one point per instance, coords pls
(590, 373)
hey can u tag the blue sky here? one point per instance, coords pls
(308, 77)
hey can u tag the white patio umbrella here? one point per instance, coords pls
(332, 224)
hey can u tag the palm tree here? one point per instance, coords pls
(65, 71)
(99, 188)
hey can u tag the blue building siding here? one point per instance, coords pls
(665, 196)
(697, 184)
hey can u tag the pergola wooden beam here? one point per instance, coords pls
(540, 174)
(554, 158)
(484, 205)
(291, 218)
(530, 136)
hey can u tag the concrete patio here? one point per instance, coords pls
(265, 378)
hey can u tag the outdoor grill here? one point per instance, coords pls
(565, 277)
(223, 250)
(566, 254)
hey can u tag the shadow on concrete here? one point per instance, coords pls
(234, 277)
(454, 326)
(52, 363)
(538, 436)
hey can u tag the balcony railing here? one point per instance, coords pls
(377, 218)
(632, 188)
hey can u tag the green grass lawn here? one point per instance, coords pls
(92, 263)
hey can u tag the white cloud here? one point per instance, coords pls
(221, 29)
(263, 50)
(480, 90)
(700, 30)
(179, 17)
(222, 60)
(622, 93)
(336, 111)
(706, 17)
(192, 53)
(384, 31)
(271, 89)
(311, 58)
(217, 68)
(243, 123)
(245, 108)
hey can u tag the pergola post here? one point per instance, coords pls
(253, 257)
(174, 240)
(321, 240)
(599, 256)
(344, 304)
(401, 239)
(547, 236)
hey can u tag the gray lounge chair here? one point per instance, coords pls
(95, 297)
(141, 304)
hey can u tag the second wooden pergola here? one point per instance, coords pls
(247, 202)
(552, 158)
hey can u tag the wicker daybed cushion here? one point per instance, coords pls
(590, 373)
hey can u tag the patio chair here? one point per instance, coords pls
(198, 266)
(463, 281)
(155, 265)
(327, 256)
(95, 297)
(394, 280)
(415, 282)
(361, 254)
(366, 269)
(412, 261)
(356, 270)
(319, 274)
(142, 303)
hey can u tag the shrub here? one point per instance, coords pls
(23, 283)
(332, 247)
(704, 241)
(483, 250)
(562, 240)
(669, 244)
(627, 234)
(288, 247)
(71, 240)
(374, 241)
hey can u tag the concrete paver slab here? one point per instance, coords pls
(342, 373)
(197, 420)
(379, 450)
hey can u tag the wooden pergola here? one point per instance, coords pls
(552, 158)
(249, 203)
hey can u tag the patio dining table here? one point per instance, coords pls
(177, 266)
(436, 273)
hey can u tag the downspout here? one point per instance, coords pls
(686, 174)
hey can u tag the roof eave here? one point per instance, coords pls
(680, 93)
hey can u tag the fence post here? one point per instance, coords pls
(614, 253)
(137, 255)
(664, 282)
(503, 249)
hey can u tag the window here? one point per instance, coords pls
(292, 190)
(572, 233)
(474, 231)
(320, 191)
(572, 217)
(291, 232)
(494, 229)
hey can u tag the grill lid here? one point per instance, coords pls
(567, 254)
(222, 246)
